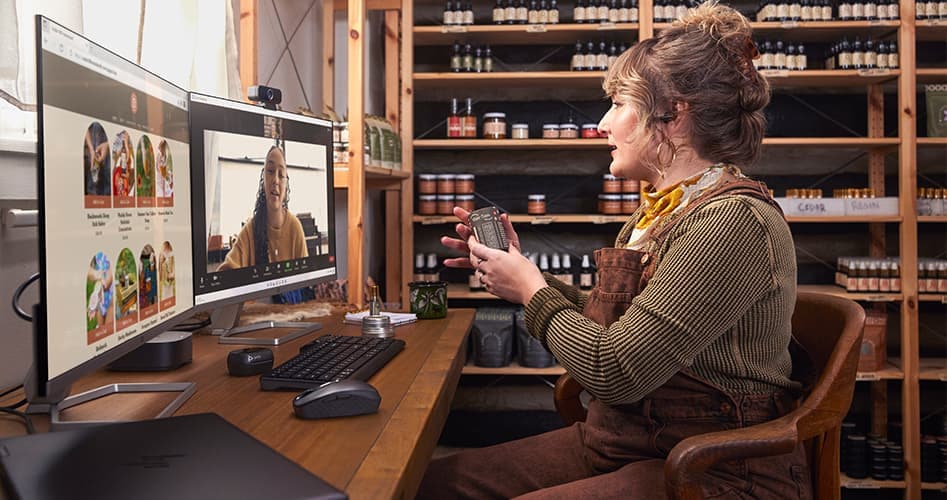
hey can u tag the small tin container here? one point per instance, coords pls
(377, 326)
(446, 183)
(536, 204)
(611, 184)
(609, 204)
(427, 184)
(568, 131)
(630, 203)
(445, 204)
(590, 131)
(550, 131)
(520, 131)
(630, 186)
(427, 204)
(465, 201)
(464, 183)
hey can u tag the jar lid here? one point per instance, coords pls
(521, 125)
(536, 197)
(551, 126)
(465, 177)
(609, 177)
(590, 125)
(630, 196)
(569, 126)
(446, 177)
(445, 197)
(494, 115)
(464, 197)
(610, 197)
(427, 177)
(427, 197)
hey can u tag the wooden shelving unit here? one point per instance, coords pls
(906, 370)
(513, 369)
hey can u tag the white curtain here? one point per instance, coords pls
(192, 44)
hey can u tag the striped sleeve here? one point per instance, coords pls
(716, 263)
(571, 293)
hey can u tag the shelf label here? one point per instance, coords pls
(789, 25)
(542, 220)
(875, 298)
(453, 29)
(536, 28)
(600, 219)
(942, 377)
(862, 485)
(873, 72)
(607, 26)
(802, 207)
(884, 206)
(775, 73)
(867, 377)
(433, 220)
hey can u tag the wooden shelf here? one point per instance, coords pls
(858, 296)
(844, 219)
(512, 369)
(869, 484)
(376, 177)
(521, 34)
(890, 372)
(931, 31)
(932, 297)
(932, 141)
(462, 291)
(468, 144)
(932, 75)
(816, 31)
(932, 369)
(428, 220)
(940, 219)
(934, 486)
(817, 78)
(525, 144)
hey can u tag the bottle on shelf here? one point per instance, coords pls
(577, 63)
(544, 263)
(448, 17)
(430, 269)
(467, 14)
(845, 55)
(586, 274)
(454, 128)
(568, 274)
(543, 16)
(487, 60)
(556, 268)
(624, 13)
(613, 11)
(612, 55)
(456, 60)
(522, 13)
(468, 123)
(845, 10)
(498, 12)
(858, 54)
(553, 12)
(590, 58)
(791, 57)
(509, 12)
(467, 62)
(893, 62)
(578, 12)
(779, 55)
(532, 13)
(420, 274)
(801, 60)
(601, 57)
(478, 60)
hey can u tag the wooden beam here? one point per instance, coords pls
(356, 112)
(876, 165)
(406, 121)
(248, 44)
(394, 218)
(328, 57)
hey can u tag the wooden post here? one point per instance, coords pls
(248, 44)
(328, 56)
(356, 112)
(394, 249)
(406, 123)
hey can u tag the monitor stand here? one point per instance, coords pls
(55, 423)
(223, 322)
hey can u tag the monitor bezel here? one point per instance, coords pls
(58, 386)
(200, 238)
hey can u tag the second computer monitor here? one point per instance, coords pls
(263, 217)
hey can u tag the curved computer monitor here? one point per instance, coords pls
(114, 208)
(262, 186)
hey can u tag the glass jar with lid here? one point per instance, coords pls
(568, 131)
(521, 131)
(611, 184)
(630, 202)
(427, 204)
(536, 204)
(465, 201)
(464, 183)
(494, 126)
(427, 184)
(445, 204)
(609, 204)
(446, 183)
(590, 131)
(550, 131)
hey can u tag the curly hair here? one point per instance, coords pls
(704, 63)
(261, 244)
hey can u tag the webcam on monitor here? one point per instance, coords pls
(267, 96)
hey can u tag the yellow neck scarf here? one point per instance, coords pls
(669, 199)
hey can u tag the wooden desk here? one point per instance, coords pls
(382, 455)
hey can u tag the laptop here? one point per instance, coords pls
(193, 456)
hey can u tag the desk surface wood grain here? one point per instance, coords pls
(382, 455)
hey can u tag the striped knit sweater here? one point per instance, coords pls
(719, 304)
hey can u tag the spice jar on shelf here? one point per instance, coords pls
(568, 131)
(590, 131)
(464, 184)
(550, 131)
(609, 204)
(630, 202)
(611, 184)
(427, 204)
(427, 184)
(630, 185)
(494, 126)
(465, 201)
(446, 183)
(520, 131)
(445, 204)
(536, 204)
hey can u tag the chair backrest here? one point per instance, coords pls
(830, 330)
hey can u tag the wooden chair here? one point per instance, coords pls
(830, 329)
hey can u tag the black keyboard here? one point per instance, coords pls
(330, 358)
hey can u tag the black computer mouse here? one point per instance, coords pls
(337, 399)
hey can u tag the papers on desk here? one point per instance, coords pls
(396, 318)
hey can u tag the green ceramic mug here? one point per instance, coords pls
(428, 299)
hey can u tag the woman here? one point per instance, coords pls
(273, 234)
(687, 330)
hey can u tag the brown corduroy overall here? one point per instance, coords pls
(619, 451)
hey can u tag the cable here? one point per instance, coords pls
(10, 390)
(27, 421)
(190, 327)
(16, 297)
(14, 405)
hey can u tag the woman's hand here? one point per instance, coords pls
(508, 275)
(464, 232)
